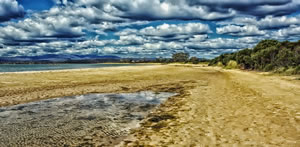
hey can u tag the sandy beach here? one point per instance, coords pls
(213, 106)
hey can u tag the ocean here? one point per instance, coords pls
(43, 67)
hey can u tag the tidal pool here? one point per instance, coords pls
(86, 120)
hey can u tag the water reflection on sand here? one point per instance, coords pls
(93, 119)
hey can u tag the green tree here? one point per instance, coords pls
(265, 44)
(180, 57)
(267, 55)
(194, 60)
(285, 58)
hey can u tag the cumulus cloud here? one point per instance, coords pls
(276, 10)
(113, 26)
(10, 9)
(198, 38)
(208, 48)
(271, 22)
(90, 14)
(169, 32)
(165, 30)
(151, 10)
(131, 40)
(292, 32)
(223, 43)
(35, 29)
(258, 8)
(157, 9)
(249, 30)
(240, 3)
(146, 27)
(189, 9)
(60, 22)
(268, 22)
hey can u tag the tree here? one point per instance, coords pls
(194, 60)
(265, 44)
(180, 57)
(267, 55)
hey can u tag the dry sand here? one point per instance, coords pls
(214, 106)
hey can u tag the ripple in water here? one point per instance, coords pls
(86, 120)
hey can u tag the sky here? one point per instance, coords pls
(143, 28)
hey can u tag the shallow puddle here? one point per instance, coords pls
(86, 120)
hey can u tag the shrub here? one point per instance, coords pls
(269, 67)
(296, 70)
(280, 70)
(292, 71)
(289, 71)
(220, 64)
(232, 65)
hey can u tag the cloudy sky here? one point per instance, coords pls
(143, 28)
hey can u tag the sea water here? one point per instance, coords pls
(41, 67)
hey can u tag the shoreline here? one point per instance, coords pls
(74, 69)
(62, 83)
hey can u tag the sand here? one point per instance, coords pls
(214, 106)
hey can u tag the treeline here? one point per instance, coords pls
(267, 55)
(181, 57)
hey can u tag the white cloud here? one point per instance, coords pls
(162, 46)
(268, 22)
(169, 32)
(179, 29)
(278, 22)
(198, 38)
(90, 14)
(38, 28)
(292, 31)
(10, 9)
(131, 40)
(157, 9)
(248, 30)
(189, 9)
(224, 43)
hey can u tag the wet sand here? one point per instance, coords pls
(85, 120)
(214, 106)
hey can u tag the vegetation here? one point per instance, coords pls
(232, 64)
(180, 57)
(194, 60)
(267, 55)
